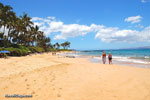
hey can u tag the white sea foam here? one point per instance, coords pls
(115, 58)
(125, 59)
(134, 61)
(98, 58)
(147, 57)
(69, 54)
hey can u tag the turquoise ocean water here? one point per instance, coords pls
(131, 57)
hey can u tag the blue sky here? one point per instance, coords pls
(90, 24)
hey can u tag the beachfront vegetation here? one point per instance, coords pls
(20, 36)
(65, 45)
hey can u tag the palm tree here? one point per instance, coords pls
(21, 31)
(4, 42)
(11, 24)
(1, 14)
(35, 32)
(54, 46)
(57, 45)
(26, 25)
(4, 15)
(65, 45)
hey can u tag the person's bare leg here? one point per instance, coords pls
(104, 60)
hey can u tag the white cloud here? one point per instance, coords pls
(72, 30)
(116, 35)
(105, 34)
(46, 20)
(133, 19)
(139, 26)
(143, 1)
(36, 18)
(38, 23)
(51, 17)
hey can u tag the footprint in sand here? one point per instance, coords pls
(53, 78)
(4, 69)
(36, 95)
(27, 84)
(53, 85)
(58, 95)
(26, 80)
(5, 87)
(28, 88)
(33, 92)
(22, 75)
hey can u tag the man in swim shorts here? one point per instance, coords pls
(104, 57)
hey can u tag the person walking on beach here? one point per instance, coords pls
(104, 57)
(110, 58)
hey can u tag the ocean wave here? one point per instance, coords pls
(139, 60)
(134, 61)
(147, 57)
(126, 59)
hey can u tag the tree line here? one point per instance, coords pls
(20, 31)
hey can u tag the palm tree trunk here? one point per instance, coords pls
(4, 29)
(9, 34)
(32, 43)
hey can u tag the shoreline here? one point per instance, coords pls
(122, 61)
(61, 78)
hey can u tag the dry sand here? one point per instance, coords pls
(48, 77)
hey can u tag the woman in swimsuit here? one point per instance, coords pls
(110, 58)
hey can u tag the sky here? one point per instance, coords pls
(90, 24)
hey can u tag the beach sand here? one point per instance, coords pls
(48, 77)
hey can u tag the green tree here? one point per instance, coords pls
(57, 45)
(22, 31)
(66, 45)
(4, 16)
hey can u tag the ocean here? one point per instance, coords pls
(129, 57)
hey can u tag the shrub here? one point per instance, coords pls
(16, 51)
(36, 49)
(66, 50)
(52, 50)
(24, 48)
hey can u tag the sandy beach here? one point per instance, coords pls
(48, 77)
